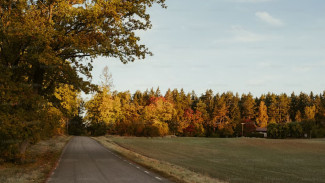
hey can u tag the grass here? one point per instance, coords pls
(236, 159)
(41, 157)
(168, 170)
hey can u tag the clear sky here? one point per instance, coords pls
(242, 46)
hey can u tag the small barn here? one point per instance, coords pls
(262, 131)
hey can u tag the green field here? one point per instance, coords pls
(238, 159)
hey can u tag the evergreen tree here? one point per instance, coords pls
(303, 102)
(293, 106)
(283, 106)
(234, 110)
(169, 96)
(272, 108)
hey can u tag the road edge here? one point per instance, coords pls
(58, 161)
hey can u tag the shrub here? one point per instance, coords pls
(307, 126)
(318, 132)
(272, 130)
(226, 131)
(296, 130)
(283, 130)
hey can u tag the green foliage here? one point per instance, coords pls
(283, 130)
(318, 132)
(247, 105)
(296, 130)
(272, 130)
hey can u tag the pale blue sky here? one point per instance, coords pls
(242, 46)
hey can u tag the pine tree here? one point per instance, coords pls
(169, 96)
(271, 102)
(283, 106)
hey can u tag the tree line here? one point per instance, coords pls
(151, 113)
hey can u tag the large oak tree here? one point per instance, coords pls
(47, 43)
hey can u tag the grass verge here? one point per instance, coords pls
(41, 158)
(171, 171)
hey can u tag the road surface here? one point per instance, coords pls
(86, 161)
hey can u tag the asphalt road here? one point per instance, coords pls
(86, 161)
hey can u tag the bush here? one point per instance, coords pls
(9, 150)
(318, 132)
(272, 131)
(283, 130)
(296, 130)
(194, 130)
(307, 126)
(226, 131)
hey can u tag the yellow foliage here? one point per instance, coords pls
(310, 112)
(262, 117)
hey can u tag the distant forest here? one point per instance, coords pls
(152, 113)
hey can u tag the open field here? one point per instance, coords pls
(173, 172)
(238, 159)
(40, 158)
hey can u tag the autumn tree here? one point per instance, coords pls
(220, 111)
(208, 99)
(127, 123)
(193, 124)
(70, 102)
(293, 106)
(303, 102)
(262, 117)
(221, 116)
(247, 105)
(156, 115)
(298, 116)
(321, 111)
(310, 112)
(283, 106)
(271, 103)
(168, 95)
(44, 44)
(104, 108)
